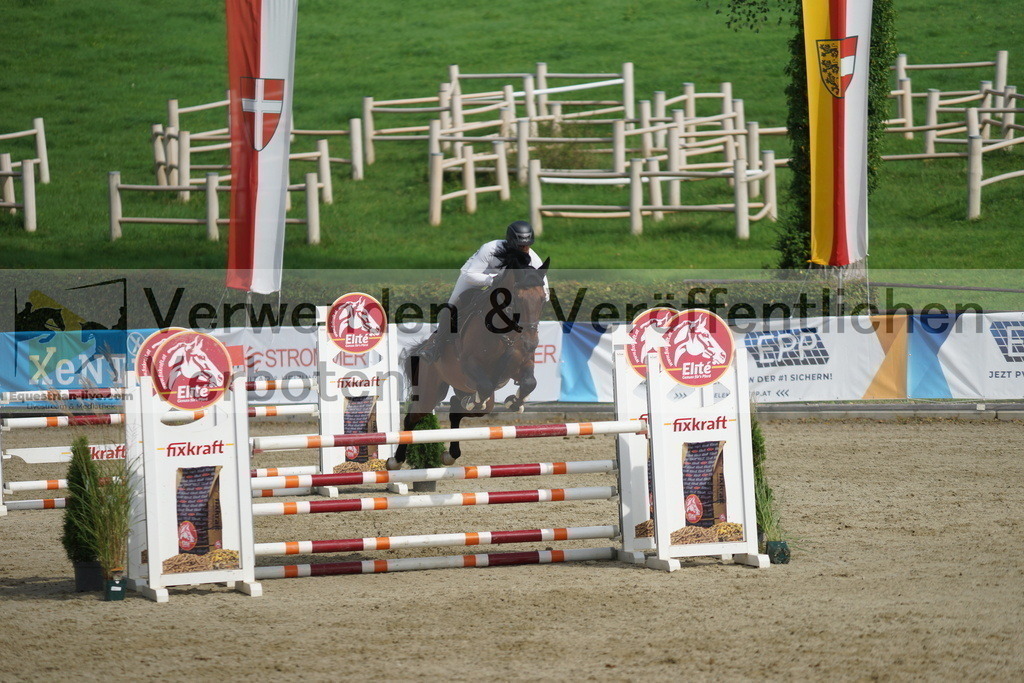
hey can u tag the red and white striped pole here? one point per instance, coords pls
(268, 478)
(448, 562)
(436, 540)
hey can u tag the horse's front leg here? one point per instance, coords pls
(482, 381)
(526, 383)
(411, 420)
(454, 451)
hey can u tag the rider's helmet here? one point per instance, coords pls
(519, 234)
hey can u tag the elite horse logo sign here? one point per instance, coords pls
(356, 323)
(699, 348)
(191, 370)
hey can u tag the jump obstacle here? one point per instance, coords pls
(678, 416)
(639, 401)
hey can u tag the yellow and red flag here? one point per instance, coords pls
(837, 41)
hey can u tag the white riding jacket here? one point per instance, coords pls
(481, 268)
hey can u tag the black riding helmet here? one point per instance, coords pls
(519, 234)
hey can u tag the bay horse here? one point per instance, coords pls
(493, 342)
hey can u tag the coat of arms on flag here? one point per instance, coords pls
(262, 106)
(836, 61)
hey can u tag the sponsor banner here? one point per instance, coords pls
(827, 359)
(77, 359)
(586, 362)
(276, 353)
(969, 356)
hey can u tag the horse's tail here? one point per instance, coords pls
(409, 361)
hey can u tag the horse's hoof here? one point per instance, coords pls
(468, 405)
(393, 464)
(447, 459)
(521, 408)
(510, 403)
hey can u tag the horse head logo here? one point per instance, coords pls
(356, 323)
(692, 338)
(653, 336)
(359, 317)
(188, 360)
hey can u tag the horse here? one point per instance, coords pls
(188, 360)
(494, 345)
(692, 338)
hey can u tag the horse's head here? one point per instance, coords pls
(527, 286)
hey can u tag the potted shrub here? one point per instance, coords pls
(97, 520)
(77, 538)
(424, 455)
(767, 513)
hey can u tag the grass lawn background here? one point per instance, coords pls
(100, 74)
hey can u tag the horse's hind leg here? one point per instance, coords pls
(429, 389)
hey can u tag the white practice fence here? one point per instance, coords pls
(212, 219)
(904, 93)
(174, 146)
(41, 159)
(646, 172)
(454, 107)
(8, 196)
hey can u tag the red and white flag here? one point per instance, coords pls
(837, 36)
(261, 70)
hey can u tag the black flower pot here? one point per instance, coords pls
(88, 576)
(778, 552)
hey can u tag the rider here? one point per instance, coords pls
(479, 272)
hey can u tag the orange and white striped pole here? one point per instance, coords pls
(433, 500)
(285, 443)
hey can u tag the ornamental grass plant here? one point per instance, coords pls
(97, 517)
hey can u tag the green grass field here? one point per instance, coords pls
(100, 74)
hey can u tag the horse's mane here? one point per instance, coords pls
(518, 261)
(510, 256)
